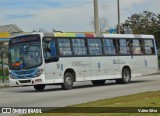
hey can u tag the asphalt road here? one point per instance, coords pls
(54, 96)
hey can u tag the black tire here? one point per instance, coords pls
(39, 87)
(68, 81)
(98, 82)
(126, 77)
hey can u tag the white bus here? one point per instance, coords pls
(41, 59)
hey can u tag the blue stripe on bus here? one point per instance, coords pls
(80, 35)
(61, 67)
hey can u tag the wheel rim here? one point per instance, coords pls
(68, 80)
(126, 75)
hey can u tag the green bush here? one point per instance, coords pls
(5, 72)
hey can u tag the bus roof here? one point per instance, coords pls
(91, 35)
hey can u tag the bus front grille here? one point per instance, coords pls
(25, 81)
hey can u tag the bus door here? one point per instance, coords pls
(52, 72)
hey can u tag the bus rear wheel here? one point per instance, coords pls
(68, 81)
(39, 87)
(126, 77)
(98, 82)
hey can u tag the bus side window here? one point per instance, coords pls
(136, 47)
(109, 46)
(79, 47)
(64, 47)
(95, 47)
(149, 47)
(124, 46)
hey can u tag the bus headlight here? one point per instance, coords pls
(12, 76)
(39, 72)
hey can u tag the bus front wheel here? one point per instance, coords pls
(126, 77)
(39, 87)
(68, 81)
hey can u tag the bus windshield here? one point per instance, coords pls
(25, 55)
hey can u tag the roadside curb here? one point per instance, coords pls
(4, 85)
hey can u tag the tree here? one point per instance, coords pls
(40, 30)
(103, 24)
(44, 30)
(144, 23)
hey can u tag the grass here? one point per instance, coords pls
(148, 99)
(5, 77)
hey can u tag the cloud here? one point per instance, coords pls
(68, 15)
(127, 4)
(75, 17)
(108, 8)
(17, 16)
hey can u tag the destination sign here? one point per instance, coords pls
(25, 39)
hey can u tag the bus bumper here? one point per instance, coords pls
(27, 82)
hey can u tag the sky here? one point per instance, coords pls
(68, 15)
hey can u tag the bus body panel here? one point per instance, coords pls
(135, 63)
(104, 68)
(151, 64)
(80, 65)
(53, 73)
